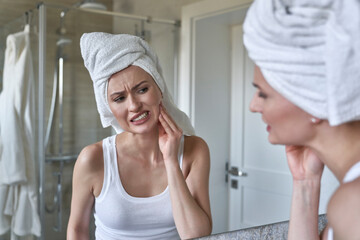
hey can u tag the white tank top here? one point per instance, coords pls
(121, 216)
(350, 176)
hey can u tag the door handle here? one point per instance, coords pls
(234, 171)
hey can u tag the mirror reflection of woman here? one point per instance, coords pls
(150, 181)
(308, 93)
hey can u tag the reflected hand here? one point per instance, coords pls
(303, 163)
(169, 135)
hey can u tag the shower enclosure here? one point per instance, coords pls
(67, 119)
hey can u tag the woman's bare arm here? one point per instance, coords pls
(88, 171)
(306, 170)
(304, 210)
(190, 198)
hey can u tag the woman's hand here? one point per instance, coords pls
(189, 194)
(169, 135)
(306, 169)
(303, 163)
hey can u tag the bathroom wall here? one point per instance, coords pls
(168, 9)
(81, 122)
(160, 36)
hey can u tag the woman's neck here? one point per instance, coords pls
(146, 145)
(338, 147)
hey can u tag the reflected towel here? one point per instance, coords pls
(309, 51)
(105, 54)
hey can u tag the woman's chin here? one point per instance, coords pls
(144, 129)
(274, 141)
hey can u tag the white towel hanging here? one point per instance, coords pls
(17, 164)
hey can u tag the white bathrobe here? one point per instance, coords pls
(18, 192)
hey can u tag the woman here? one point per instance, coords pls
(149, 181)
(308, 79)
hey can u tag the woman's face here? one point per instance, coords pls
(134, 99)
(286, 123)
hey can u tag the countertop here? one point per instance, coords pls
(276, 231)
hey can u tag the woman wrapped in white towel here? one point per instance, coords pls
(307, 56)
(150, 180)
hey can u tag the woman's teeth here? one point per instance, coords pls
(142, 116)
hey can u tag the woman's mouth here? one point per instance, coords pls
(140, 118)
(268, 128)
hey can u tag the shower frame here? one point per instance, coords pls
(42, 9)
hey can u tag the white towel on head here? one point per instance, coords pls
(105, 54)
(309, 51)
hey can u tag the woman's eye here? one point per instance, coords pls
(262, 95)
(119, 99)
(143, 90)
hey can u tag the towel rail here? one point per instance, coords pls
(65, 158)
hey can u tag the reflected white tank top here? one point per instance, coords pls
(121, 216)
(350, 176)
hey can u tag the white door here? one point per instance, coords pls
(263, 194)
(204, 88)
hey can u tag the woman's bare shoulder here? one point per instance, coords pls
(196, 149)
(344, 210)
(195, 144)
(90, 159)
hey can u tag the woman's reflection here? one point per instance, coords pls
(308, 81)
(149, 181)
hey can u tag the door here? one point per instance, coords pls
(204, 87)
(261, 193)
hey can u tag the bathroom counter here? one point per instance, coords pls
(276, 231)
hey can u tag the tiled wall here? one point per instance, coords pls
(81, 122)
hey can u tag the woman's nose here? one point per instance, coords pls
(255, 104)
(134, 104)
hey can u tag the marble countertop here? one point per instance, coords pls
(276, 231)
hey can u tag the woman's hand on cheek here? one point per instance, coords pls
(303, 163)
(169, 136)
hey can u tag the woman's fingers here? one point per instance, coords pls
(303, 163)
(170, 122)
(165, 124)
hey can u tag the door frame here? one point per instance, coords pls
(191, 14)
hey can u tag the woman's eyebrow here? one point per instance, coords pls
(133, 88)
(137, 85)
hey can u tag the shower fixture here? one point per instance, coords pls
(57, 102)
(91, 4)
(143, 33)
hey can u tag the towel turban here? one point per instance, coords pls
(309, 51)
(105, 54)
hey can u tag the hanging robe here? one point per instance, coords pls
(18, 188)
